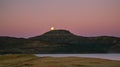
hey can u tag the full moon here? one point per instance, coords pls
(52, 28)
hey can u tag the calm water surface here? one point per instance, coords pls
(103, 56)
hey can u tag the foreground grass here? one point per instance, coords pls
(13, 60)
(32, 61)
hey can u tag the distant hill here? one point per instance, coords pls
(60, 41)
(20, 46)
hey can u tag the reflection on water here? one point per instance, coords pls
(103, 56)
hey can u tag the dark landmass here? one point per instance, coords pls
(59, 41)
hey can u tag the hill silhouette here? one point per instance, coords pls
(56, 36)
(60, 41)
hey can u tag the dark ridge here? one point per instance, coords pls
(55, 33)
(57, 36)
(59, 41)
(58, 32)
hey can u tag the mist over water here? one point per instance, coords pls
(102, 56)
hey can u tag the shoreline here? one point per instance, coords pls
(29, 60)
(101, 56)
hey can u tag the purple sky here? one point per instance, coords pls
(27, 18)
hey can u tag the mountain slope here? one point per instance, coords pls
(79, 44)
(60, 41)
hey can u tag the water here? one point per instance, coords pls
(102, 56)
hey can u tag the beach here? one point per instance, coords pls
(29, 60)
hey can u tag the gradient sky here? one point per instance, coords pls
(27, 18)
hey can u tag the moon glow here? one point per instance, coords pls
(52, 28)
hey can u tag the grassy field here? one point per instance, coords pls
(26, 60)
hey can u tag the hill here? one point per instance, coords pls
(60, 41)
(20, 46)
(79, 44)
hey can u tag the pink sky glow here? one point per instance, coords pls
(27, 18)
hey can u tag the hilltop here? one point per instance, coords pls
(60, 41)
